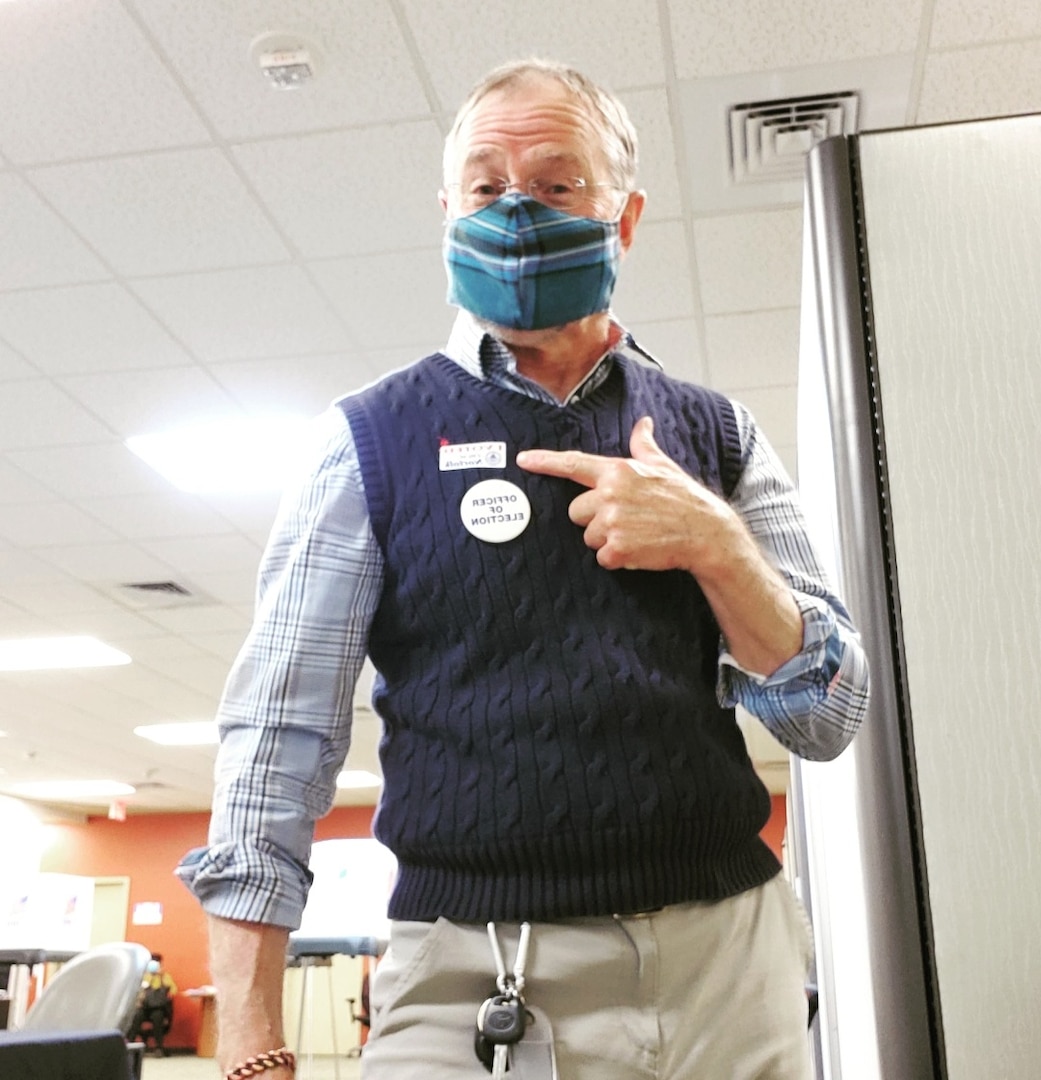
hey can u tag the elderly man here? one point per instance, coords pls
(567, 568)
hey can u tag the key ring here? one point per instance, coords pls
(510, 984)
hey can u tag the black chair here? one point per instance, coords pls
(363, 1016)
(153, 1018)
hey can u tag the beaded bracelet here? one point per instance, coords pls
(270, 1059)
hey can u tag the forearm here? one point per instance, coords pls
(756, 610)
(247, 965)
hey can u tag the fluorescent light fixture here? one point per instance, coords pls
(239, 454)
(191, 733)
(358, 778)
(59, 790)
(41, 654)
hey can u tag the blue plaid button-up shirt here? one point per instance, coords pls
(285, 715)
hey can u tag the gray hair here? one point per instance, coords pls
(606, 111)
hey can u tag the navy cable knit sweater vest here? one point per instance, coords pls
(552, 744)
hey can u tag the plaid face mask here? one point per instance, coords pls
(524, 265)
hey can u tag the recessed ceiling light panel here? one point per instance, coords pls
(189, 733)
(234, 455)
(54, 653)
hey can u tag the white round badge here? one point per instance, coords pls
(495, 511)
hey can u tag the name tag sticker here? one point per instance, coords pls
(475, 455)
(495, 511)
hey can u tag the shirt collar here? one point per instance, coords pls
(485, 357)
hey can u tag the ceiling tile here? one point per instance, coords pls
(84, 81)
(43, 525)
(163, 213)
(24, 569)
(13, 366)
(244, 314)
(82, 697)
(84, 472)
(351, 192)
(234, 588)
(774, 410)
(479, 36)
(57, 599)
(789, 459)
(725, 37)
(140, 684)
(252, 512)
(657, 173)
(364, 70)
(305, 385)
(175, 659)
(655, 278)
(207, 618)
(968, 22)
(85, 328)
(115, 564)
(35, 412)
(390, 299)
(674, 344)
(749, 261)
(996, 80)
(150, 517)
(16, 486)
(112, 624)
(201, 555)
(36, 246)
(225, 645)
(757, 349)
(15, 622)
(139, 402)
(375, 363)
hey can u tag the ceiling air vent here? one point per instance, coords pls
(155, 594)
(167, 588)
(769, 140)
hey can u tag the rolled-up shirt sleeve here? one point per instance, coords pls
(285, 715)
(814, 703)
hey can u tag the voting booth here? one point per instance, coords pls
(343, 931)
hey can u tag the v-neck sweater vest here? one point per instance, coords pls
(552, 745)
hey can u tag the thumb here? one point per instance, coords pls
(642, 446)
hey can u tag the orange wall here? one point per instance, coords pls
(773, 832)
(146, 848)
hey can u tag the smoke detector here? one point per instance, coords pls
(769, 140)
(287, 61)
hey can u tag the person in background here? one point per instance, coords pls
(154, 1014)
(568, 568)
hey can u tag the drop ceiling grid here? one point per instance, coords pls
(86, 84)
(167, 213)
(966, 22)
(366, 74)
(989, 80)
(85, 328)
(617, 42)
(729, 37)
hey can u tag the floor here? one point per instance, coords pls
(187, 1067)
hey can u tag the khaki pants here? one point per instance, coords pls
(693, 992)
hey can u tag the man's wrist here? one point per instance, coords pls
(278, 1062)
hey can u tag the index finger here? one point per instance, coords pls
(585, 469)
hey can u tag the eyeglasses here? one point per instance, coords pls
(565, 193)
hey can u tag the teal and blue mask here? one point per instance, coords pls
(521, 264)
